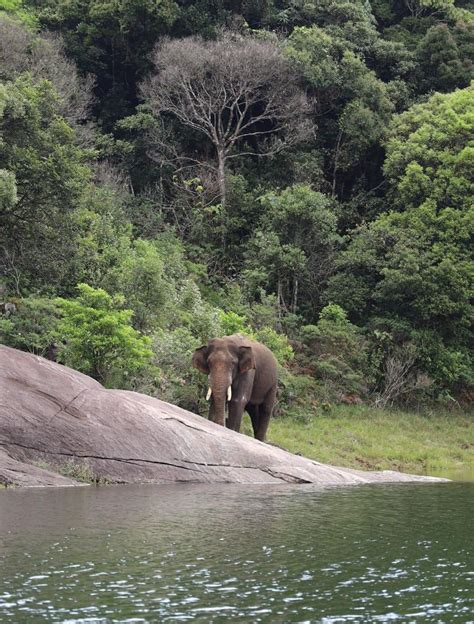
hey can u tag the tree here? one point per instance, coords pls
(17, 9)
(337, 352)
(445, 56)
(292, 250)
(38, 230)
(429, 154)
(353, 106)
(111, 40)
(410, 271)
(33, 327)
(44, 58)
(419, 7)
(141, 277)
(239, 94)
(99, 339)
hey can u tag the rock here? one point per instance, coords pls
(14, 472)
(55, 420)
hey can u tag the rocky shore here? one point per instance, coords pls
(59, 427)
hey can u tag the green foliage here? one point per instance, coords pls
(8, 191)
(338, 352)
(33, 327)
(192, 312)
(352, 103)
(298, 396)
(141, 277)
(429, 152)
(111, 39)
(16, 9)
(277, 343)
(292, 250)
(99, 339)
(39, 156)
(349, 254)
(411, 272)
(179, 383)
(103, 235)
(445, 57)
(233, 323)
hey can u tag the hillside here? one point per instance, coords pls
(300, 172)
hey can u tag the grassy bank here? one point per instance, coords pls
(372, 439)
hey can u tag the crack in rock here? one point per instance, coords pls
(193, 468)
(285, 476)
(182, 422)
(127, 460)
(68, 404)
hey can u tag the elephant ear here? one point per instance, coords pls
(200, 360)
(246, 359)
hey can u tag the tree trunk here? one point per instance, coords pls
(221, 174)
(295, 295)
(336, 163)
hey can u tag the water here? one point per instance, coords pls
(237, 553)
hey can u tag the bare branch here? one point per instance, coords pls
(231, 91)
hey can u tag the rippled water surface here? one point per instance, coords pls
(241, 554)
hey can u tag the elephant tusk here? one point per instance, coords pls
(208, 395)
(229, 393)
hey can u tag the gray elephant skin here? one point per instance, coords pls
(243, 376)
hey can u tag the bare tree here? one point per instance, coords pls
(239, 93)
(14, 43)
(400, 375)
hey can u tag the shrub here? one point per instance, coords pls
(34, 327)
(337, 352)
(99, 339)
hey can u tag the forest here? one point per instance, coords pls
(297, 170)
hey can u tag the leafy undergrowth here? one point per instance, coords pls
(371, 439)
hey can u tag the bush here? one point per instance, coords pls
(141, 278)
(99, 339)
(298, 396)
(337, 352)
(34, 327)
(179, 383)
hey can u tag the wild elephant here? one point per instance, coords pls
(243, 375)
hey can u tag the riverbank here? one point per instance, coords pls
(359, 436)
(52, 417)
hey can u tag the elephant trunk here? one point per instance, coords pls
(220, 393)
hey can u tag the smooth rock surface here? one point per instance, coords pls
(54, 419)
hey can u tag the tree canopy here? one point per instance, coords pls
(172, 171)
(238, 95)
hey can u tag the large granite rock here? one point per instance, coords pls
(57, 424)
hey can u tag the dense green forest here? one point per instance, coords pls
(300, 170)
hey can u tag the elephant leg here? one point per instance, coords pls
(253, 411)
(266, 409)
(236, 410)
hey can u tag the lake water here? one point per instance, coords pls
(378, 553)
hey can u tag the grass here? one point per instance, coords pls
(372, 439)
(79, 471)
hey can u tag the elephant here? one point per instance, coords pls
(243, 374)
